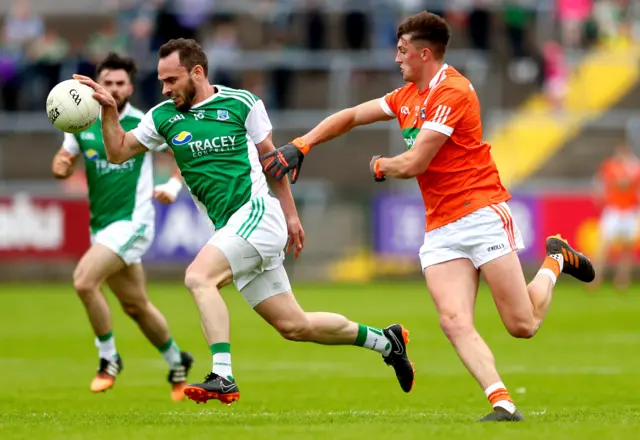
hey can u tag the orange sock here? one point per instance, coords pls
(499, 397)
(552, 267)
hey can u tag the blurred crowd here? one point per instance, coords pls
(35, 53)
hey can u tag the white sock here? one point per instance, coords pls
(107, 348)
(373, 339)
(504, 403)
(171, 353)
(222, 365)
(548, 272)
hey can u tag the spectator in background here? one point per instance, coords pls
(383, 18)
(105, 40)
(47, 54)
(408, 7)
(128, 11)
(517, 15)
(10, 60)
(278, 30)
(633, 15)
(222, 47)
(356, 28)
(192, 15)
(555, 74)
(21, 27)
(606, 17)
(525, 65)
(612, 20)
(181, 19)
(141, 32)
(315, 26)
(479, 25)
(572, 15)
(276, 14)
(438, 7)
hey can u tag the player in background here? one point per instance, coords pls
(217, 135)
(469, 224)
(618, 194)
(122, 229)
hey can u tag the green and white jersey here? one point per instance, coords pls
(214, 144)
(116, 191)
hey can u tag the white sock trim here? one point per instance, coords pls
(494, 387)
(549, 273)
(506, 405)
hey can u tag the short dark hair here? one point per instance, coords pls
(113, 61)
(428, 27)
(189, 52)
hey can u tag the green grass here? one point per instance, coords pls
(578, 378)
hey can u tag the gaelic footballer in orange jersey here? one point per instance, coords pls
(469, 224)
(618, 193)
(462, 177)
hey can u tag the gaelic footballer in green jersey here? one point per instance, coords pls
(217, 135)
(214, 144)
(117, 192)
(122, 229)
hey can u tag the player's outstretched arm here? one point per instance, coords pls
(289, 157)
(119, 146)
(282, 191)
(344, 121)
(63, 163)
(412, 162)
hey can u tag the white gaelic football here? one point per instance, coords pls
(71, 106)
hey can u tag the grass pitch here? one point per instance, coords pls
(577, 379)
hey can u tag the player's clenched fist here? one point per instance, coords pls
(374, 166)
(168, 192)
(286, 158)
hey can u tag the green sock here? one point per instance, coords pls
(171, 353)
(106, 346)
(221, 352)
(373, 339)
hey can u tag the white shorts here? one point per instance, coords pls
(482, 236)
(253, 241)
(129, 240)
(618, 224)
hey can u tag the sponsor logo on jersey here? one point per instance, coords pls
(217, 144)
(404, 110)
(182, 138)
(87, 136)
(91, 154)
(176, 118)
(105, 167)
(223, 115)
(410, 141)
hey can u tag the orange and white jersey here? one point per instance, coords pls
(462, 177)
(621, 183)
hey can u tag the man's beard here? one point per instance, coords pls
(122, 104)
(187, 97)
